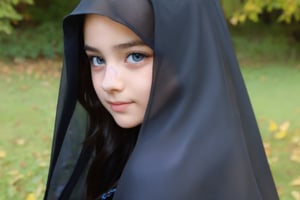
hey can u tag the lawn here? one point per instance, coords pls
(29, 93)
(275, 98)
(270, 67)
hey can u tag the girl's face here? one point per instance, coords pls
(121, 69)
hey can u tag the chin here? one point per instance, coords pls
(127, 124)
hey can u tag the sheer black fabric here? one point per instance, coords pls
(199, 140)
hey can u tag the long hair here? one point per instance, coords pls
(111, 145)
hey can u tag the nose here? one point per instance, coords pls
(112, 81)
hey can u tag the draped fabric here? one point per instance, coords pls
(199, 139)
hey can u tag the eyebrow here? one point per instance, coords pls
(130, 44)
(125, 45)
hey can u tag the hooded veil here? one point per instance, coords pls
(199, 138)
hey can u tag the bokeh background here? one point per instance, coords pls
(266, 37)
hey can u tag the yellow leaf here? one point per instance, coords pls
(20, 142)
(242, 18)
(296, 182)
(13, 172)
(16, 179)
(284, 126)
(2, 154)
(296, 140)
(267, 147)
(296, 195)
(253, 17)
(281, 135)
(31, 196)
(272, 126)
(295, 155)
(234, 21)
(273, 160)
(43, 164)
(252, 7)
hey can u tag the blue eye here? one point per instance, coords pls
(97, 61)
(135, 57)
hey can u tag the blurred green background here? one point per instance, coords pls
(266, 37)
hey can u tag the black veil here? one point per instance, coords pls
(199, 140)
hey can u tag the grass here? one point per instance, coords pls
(27, 112)
(272, 90)
(269, 59)
(271, 68)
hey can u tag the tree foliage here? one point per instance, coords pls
(9, 13)
(286, 10)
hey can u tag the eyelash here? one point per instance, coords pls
(91, 60)
(144, 56)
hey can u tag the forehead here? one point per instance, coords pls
(102, 28)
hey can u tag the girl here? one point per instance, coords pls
(152, 105)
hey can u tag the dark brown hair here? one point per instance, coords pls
(111, 145)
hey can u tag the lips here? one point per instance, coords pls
(119, 106)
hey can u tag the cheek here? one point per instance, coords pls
(148, 78)
(145, 83)
(97, 83)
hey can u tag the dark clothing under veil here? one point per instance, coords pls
(199, 139)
